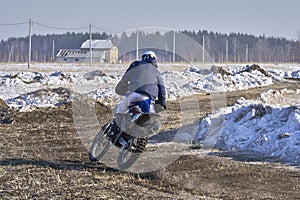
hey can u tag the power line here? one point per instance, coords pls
(14, 24)
(101, 29)
(60, 28)
(73, 28)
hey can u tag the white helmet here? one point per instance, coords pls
(149, 56)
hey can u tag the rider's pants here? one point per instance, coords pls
(133, 99)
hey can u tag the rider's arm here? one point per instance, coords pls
(122, 86)
(161, 92)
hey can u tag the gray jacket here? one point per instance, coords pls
(144, 78)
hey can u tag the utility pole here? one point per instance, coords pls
(203, 43)
(174, 46)
(29, 45)
(226, 51)
(91, 49)
(137, 44)
(53, 56)
(246, 56)
(10, 53)
(165, 58)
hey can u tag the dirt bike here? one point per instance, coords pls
(131, 137)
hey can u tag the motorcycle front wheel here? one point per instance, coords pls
(100, 144)
(126, 159)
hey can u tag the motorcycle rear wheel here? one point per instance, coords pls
(127, 157)
(100, 144)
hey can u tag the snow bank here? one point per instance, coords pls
(41, 98)
(281, 74)
(215, 79)
(234, 78)
(269, 131)
(100, 85)
(281, 98)
(35, 79)
(27, 90)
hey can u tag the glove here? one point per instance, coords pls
(159, 108)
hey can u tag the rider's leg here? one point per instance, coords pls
(141, 100)
(117, 119)
(144, 105)
(115, 126)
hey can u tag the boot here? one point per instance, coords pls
(115, 129)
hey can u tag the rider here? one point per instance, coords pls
(141, 85)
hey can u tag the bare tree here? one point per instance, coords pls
(260, 45)
(235, 46)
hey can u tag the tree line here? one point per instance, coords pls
(220, 48)
(43, 47)
(248, 48)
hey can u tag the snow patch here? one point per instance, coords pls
(41, 98)
(266, 130)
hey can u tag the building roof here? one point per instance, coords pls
(97, 44)
(77, 53)
(71, 53)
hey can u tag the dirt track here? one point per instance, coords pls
(42, 157)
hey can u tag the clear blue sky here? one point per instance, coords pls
(279, 18)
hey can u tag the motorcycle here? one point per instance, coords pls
(131, 137)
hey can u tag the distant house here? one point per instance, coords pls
(103, 51)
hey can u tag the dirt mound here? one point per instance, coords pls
(6, 116)
(27, 77)
(93, 74)
(256, 67)
(220, 70)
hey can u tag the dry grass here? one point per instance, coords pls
(42, 157)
